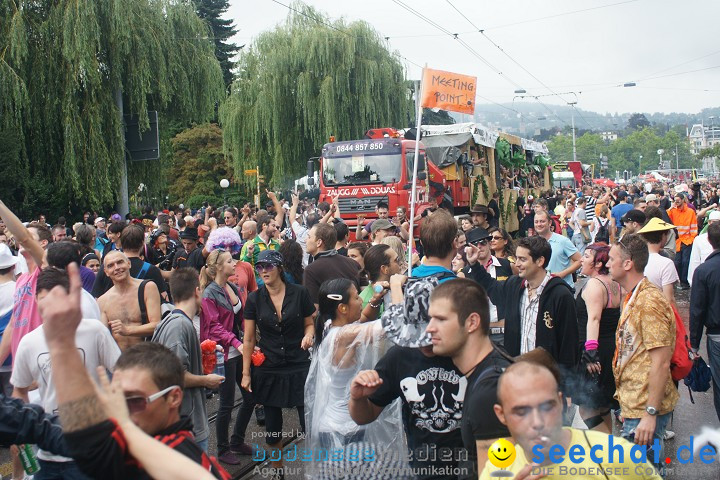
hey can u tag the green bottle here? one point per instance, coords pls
(29, 460)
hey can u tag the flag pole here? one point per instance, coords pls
(418, 122)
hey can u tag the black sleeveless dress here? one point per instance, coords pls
(600, 395)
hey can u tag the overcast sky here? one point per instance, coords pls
(604, 44)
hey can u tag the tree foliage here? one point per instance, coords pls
(61, 64)
(222, 29)
(430, 117)
(198, 163)
(624, 153)
(305, 81)
(637, 121)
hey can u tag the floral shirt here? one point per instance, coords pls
(647, 321)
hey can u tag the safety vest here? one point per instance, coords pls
(686, 223)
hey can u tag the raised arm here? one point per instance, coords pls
(22, 234)
(280, 215)
(475, 271)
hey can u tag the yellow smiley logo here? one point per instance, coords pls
(501, 453)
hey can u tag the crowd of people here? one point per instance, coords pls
(417, 354)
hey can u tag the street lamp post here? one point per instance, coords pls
(640, 165)
(224, 184)
(572, 112)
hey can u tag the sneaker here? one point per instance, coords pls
(669, 435)
(260, 415)
(684, 286)
(242, 449)
(229, 458)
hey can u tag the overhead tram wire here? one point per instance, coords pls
(455, 36)
(531, 20)
(289, 7)
(521, 22)
(312, 18)
(513, 60)
(678, 65)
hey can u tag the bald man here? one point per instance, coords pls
(530, 405)
(131, 308)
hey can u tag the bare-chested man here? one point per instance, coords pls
(120, 306)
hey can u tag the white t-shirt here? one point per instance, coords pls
(661, 270)
(32, 363)
(89, 306)
(301, 235)
(7, 292)
(22, 266)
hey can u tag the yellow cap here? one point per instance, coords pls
(656, 225)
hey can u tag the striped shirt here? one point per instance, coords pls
(590, 209)
(528, 316)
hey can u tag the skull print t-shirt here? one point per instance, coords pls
(432, 391)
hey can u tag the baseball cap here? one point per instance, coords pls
(98, 220)
(651, 197)
(714, 215)
(621, 194)
(634, 216)
(381, 224)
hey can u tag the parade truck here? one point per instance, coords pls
(457, 167)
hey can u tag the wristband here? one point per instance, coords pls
(591, 345)
(373, 305)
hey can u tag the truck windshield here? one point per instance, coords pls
(358, 169)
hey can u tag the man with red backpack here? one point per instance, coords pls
(645, 342)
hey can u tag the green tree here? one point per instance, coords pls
(61, 64)
(198, 163)
(637, 121)
(441, 117)
(222, 29)
(305, 81)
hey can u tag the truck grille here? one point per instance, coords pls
(360, 205)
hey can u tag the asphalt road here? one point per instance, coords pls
(688, 421)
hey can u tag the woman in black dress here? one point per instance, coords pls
(598, 311)
(282, 313)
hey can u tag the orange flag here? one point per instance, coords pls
(448, 91)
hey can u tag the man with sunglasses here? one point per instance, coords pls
(150, 375)
(498, 268)
(32, 364)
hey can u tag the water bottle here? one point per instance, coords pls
(220, 364)
(29, 460)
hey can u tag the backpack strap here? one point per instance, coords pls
(143, 271)
(141, 301)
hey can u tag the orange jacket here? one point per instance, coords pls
(686, 222)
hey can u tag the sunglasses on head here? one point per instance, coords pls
(138, 404)
(264, 267)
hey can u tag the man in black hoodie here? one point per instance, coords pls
(539, 307)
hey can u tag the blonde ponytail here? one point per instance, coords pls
(209, 271)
